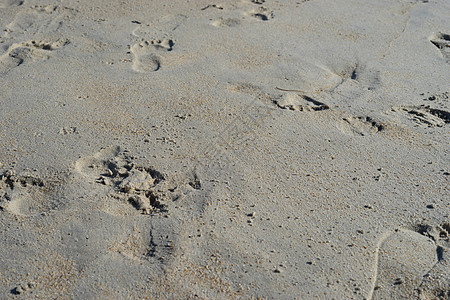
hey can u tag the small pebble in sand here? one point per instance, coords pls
(277, 270)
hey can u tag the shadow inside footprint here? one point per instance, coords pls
(442, 42)
(360, 126)
(425, 115)
(298, 102)
(261, 13)
(10, 3)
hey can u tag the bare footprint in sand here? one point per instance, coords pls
(146, 58)
(442, 42)
(129, 184)
(261, 13)
(213, 6)
(423, 115)
(20, 53)
(26, 194)
(298, 102)
(127, 180)
(226, 22)
(436, 283)
(351, 78)
(413, 262)
(37, 20)
(360, 126)
(10, 3)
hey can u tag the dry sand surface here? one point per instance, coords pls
(286, 149)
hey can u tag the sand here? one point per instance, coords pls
(224, 150)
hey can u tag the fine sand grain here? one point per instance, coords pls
(224, 150)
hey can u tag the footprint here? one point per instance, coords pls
(165, 44)
(233, 15)
(19, 53)
(226, 22)
(361, 74)
(440, 98)
(26, 194)
(261, 13)
(68, 130)
(159, 27)
(10, 3)
(212, 6)
(352, 78)
(14, 57)
(262, 105)
(361, 126)
(38, 20)
(46, 45)
(298, 102)
(442, 42)
(436, 283)
(145, 54)
(123, 178)
(425, 115)
(412, 262)
(134, 247)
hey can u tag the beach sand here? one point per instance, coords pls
(224, 150)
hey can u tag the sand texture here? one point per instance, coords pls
(231, 149)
